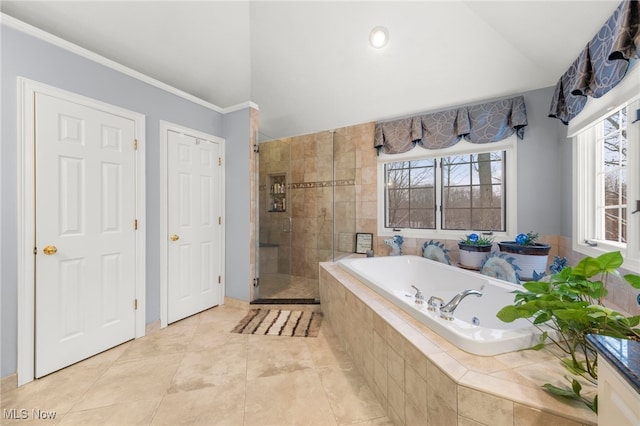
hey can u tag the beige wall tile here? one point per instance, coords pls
(484, 408)
(440, 386)
(527, 416)
(395, 396)
(415, 389)
(395, 367)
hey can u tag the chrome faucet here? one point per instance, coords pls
(446, 311)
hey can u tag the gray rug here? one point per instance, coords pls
(280, 323)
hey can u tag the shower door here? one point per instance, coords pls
(274, 251)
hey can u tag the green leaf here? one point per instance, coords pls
(576, 386)
(536, 286)
(610, 261)
(538, 347)
(560, 391)
(587, 267)
(542, 318)
(508, 314)
(632, 279)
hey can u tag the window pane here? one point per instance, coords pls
(421, 177)
(423, 219)
(457, 197)
(486, 219)
(611, 124)
(457, 219)
(398, 218)
(611, 189)
(612, 177)
(473, 191)
(487, 196)
(399, 198)
(612, 222)
(410, 194)
(456, 171)
(422, 198)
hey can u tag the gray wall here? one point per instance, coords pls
(544, 170)
(32, 58)
(238, 226)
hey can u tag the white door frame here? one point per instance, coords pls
(26, 92)
(166, 126)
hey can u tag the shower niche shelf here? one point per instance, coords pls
(277, 193)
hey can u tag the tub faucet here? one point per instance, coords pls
(446, 312)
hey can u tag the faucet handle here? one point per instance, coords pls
(434, 303)
(419, 296)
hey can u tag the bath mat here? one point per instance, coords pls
(280, 323)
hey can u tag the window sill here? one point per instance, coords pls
(630, 264)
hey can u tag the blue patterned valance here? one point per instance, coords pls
(482, 123)
(602, 63)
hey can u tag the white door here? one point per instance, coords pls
(194, 225)
(85, 236)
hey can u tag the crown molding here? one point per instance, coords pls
(21, 26)
(241, 106)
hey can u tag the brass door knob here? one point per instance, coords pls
(174, 237)
(49, 250)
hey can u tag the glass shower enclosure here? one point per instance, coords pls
(306, 202)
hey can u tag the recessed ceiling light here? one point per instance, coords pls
(379, 37)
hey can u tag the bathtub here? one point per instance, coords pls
(475, 327)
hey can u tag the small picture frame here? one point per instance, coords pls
(364, 242)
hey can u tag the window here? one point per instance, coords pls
(611, 178)
(606, 164)
(449, 192)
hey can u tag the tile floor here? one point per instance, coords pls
(197, 372)
(283, 286)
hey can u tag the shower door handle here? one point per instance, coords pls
(286, 224)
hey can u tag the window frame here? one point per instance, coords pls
(583, 132)
(508, 145)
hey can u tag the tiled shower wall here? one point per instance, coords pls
(321, 190)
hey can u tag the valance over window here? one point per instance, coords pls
(482, 123)
(602, 63)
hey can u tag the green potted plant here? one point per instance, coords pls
(570, 303)
(529, 255)
(473, 250)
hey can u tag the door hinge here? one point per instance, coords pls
(135, 304)
(219, 161)
(35, 250)
(256, 281)
(219, 279)
(135, 224)
(135, 144)
(219, 220)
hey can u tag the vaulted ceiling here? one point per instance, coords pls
(309, 66)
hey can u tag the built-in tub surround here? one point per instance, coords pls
(474, 326)
(420, 378)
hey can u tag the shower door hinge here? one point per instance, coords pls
(256, 281)
(135, 304)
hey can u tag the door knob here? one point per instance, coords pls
(49, 250)
(174, 237)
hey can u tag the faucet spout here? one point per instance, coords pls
(447, 310)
